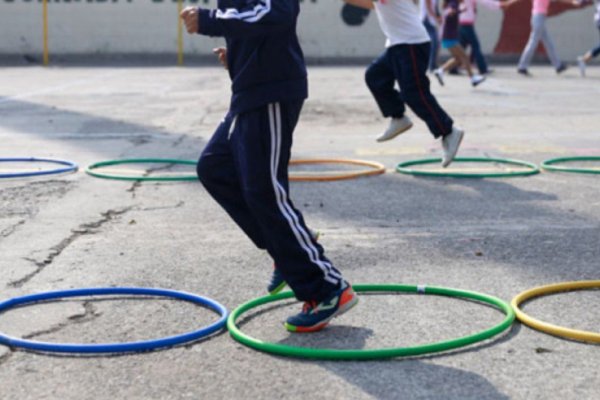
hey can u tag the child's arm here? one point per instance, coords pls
(506, 4)
(577, 3)
(256, 17)
(367, 4)
(490, 4)
(221, 53)
(432, 12)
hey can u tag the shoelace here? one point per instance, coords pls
(308, 306)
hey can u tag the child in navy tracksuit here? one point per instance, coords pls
(245, 164)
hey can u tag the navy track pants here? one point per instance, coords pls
(245, 169)
(407, 64)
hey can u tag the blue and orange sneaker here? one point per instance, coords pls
(277, 282)
(315, 317)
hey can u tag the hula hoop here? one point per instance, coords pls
(114, 347)
(548, 165)
(377, 169)
(584, 336)
(90, 170)
(70, 166)
(533, 169)
(370, 354)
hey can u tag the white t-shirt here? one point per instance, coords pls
(400, 22)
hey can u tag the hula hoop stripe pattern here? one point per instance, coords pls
(551, 329)
(70, 167)
(370, 354)
(114, 347)
(548, 165)
(532, 168)
(92, 170)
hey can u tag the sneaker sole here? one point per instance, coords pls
(315, 328)
(440, 80)
(475, 84)
(393, 135)
(450, 159)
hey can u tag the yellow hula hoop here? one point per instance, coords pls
(584, 336)
(377, 169)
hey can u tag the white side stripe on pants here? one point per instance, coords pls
(300, 233)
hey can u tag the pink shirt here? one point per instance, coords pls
(469, 10)
(540, 7)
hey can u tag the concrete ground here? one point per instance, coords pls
(496, 236)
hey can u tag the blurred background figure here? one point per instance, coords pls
(430, 16)
(539, 15)
(450, 41)
(467, 34)
(584, 59)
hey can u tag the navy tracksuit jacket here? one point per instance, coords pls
(245, 164)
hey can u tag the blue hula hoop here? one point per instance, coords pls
(70, 166)
(114, 347)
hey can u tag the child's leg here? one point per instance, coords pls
(380, 80)
(476, 53)
(435, 44)
(410, 63)
(216, 170)
(532, 43)
(261, 145)
(450, 63)
(459, 54)
(592, 53)
(464, 37)
(549, 45)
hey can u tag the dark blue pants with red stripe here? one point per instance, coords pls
(406, 64)
(245, 169)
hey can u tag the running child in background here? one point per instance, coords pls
(450, 41)
(405, 61)
(539, 15)
(467, 34)
(244, 166)
(593, 53)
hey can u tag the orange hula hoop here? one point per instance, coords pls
(377, 169)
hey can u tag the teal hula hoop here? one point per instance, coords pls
(92, 170)
(548, 165)
(532, 168)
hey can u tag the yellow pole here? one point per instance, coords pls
(179, 33)
(45, 17)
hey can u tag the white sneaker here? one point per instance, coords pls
(581, 65)
(450, 145)
(477, 79)
(439, 74)
(396, 127)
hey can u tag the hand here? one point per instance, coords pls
(221, 53)
(189, 15)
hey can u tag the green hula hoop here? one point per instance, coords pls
(533, 169)
(548, 165)
(91, 170)
(370, 354)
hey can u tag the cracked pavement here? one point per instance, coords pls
(498, 237)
